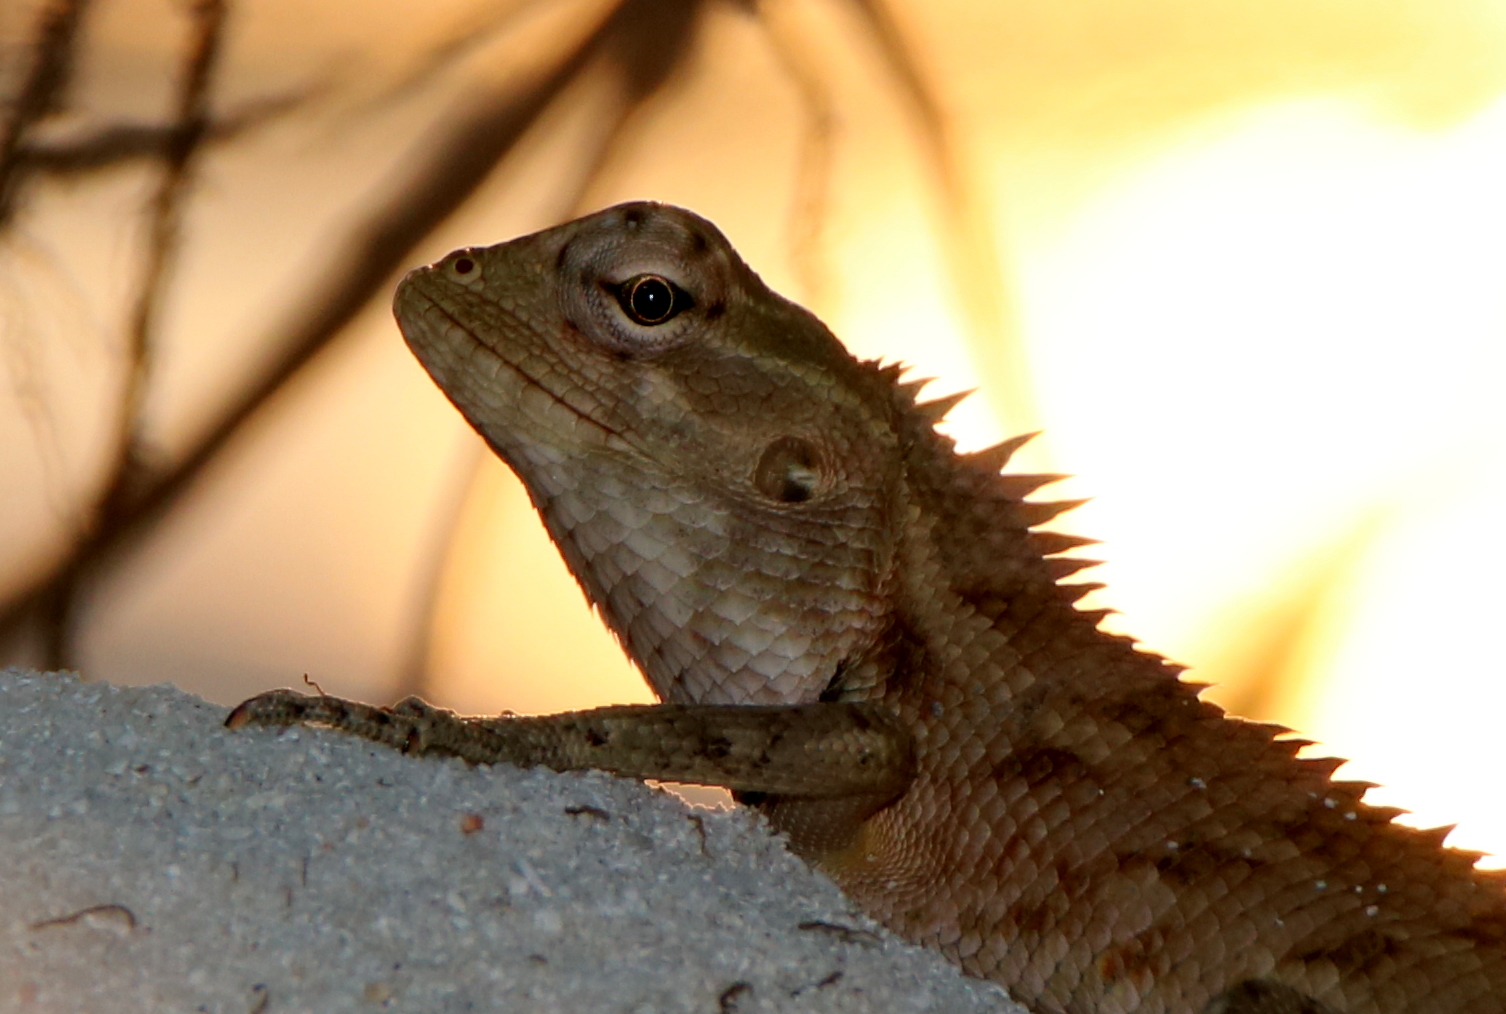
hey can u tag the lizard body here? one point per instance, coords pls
(857, 628)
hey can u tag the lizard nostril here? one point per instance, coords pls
(464, 265)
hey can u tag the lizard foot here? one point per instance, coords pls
(398, 727)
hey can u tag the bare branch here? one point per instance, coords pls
(42, 94)
(458, 44)
(454, 164)
(165, 219)
(415, 675)
(123, 143)
(128, 467)
(809, 208)
(968, 243)
(1261, 668)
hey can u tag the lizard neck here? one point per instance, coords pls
(979, 594)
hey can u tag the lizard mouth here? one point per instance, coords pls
(424, 309)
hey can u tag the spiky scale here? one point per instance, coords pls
(994, 458)
(1095, 616)
(1324, 766)
(1019, 486)
(1051, 543)
(1039, 512)
(909, 390)
(936, 410)
(1061, 567)
(1074, 592)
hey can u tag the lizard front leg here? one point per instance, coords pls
(815, 751)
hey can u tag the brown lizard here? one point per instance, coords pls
(856, 629)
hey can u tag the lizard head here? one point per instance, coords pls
(717, 471)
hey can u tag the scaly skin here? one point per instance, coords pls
(763, 520)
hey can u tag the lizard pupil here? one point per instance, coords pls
(650, 299)
(789, 471)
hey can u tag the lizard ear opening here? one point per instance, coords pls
(789, 471)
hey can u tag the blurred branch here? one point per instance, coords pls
(461, 42)
(1263, 669)
(119, 144)
(455, 163)
(165, 220)
(810, 205)
(644, 41)
(41, 95)
(414, 672)
(128, 470)
(967, 239)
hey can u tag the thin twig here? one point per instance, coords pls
(42, 94)
(973, 260)
(124, 143)
(415, 673)
(454, 164)
(165, 218)
(128, 469)
(813, 177)
(464, 39)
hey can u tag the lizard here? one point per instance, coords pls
(865, 634)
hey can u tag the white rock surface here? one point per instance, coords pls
(152, 861)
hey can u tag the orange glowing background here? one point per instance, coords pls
(1250, 258)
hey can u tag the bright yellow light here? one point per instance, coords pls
(1276, 348)
(1414, 682)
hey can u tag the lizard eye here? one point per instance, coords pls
(789, 471)
(652, 299)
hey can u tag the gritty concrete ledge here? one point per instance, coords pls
(152, 861)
